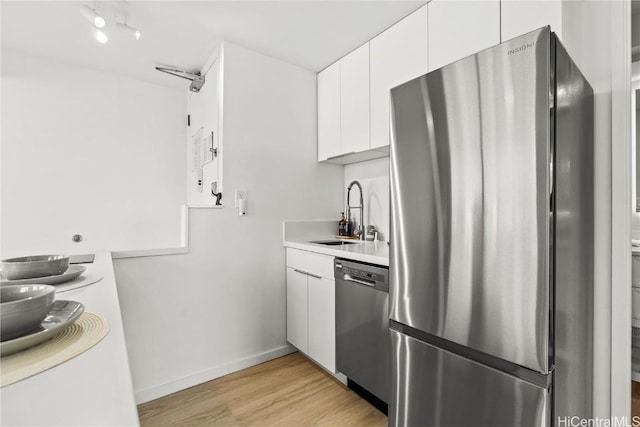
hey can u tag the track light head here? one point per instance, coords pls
(101, 36)
(132, 32)
(93, 17)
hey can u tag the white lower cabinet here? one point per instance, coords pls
(311, 306)
(322, 322)
(297, 311)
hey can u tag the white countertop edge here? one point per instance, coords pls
(149, 252)
(92, 388)
(339, 253)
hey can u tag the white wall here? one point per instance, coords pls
(90, 153)
(588, 34)
(635, 217)
(374, 177)
(189, 318)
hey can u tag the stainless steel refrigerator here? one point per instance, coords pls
(491, 262)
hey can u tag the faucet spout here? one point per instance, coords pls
(361, 207)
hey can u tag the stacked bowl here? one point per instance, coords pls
(29, 267)
(24, 307)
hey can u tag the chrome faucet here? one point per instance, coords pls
(361, 207)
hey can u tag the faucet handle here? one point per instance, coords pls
(372, 233)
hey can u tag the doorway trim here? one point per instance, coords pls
(621, 209)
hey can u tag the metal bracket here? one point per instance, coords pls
(197, 80)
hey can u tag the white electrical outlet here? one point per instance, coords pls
(241, 195)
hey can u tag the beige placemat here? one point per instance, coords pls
(79, 337)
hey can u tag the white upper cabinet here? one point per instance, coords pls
(520, 17)
(461, 28)
(397, 55)
(343, 110)
(354, 101)
(329, 112)
(353, 94)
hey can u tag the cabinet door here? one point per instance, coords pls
(297, 311)
(322, 322)
(520, 17)
(329, 112)
(477, 27)
(354, 101)
(397, 55)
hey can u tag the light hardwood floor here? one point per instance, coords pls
(288, 391)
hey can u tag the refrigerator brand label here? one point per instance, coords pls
(521, 48)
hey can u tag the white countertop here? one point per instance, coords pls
(371, 252)
(93, 388)
(300, 234)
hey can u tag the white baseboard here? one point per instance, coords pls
(151, 393)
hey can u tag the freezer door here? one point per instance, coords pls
(470, 196)
(433, 387)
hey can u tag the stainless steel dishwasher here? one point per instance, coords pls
(362, 328)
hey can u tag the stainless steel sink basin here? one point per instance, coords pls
(334, 242)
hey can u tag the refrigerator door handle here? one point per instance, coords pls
(551, 178)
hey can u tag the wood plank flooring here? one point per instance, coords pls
(288, 391)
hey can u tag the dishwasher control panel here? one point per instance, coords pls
(366, 274)
(361, 274)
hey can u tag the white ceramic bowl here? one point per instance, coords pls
(23, 308)
(28, 267)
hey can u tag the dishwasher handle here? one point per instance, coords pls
(348, 278)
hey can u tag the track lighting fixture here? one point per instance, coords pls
(132, 32)
(101, 36)
(99, 24)
(92, 16)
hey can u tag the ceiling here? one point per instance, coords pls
(183, 34)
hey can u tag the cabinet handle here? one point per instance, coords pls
(340, 155)
(308, 274)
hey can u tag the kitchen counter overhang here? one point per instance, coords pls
(93, 388)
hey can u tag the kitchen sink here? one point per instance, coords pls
(334, 242)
